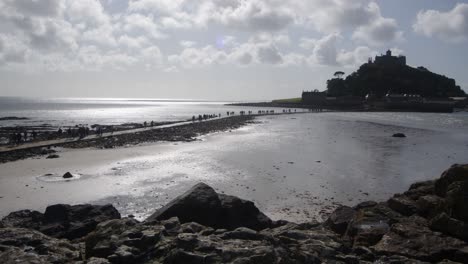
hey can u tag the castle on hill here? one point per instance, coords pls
(389, 60)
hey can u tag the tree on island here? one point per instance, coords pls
(338, 74)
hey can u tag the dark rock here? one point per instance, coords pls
(53, 156)
(457, 200)
(419, 189)
(109, 235)
(63, 221)
(399, 135)
(370, 224)
(338, 221)
(23, 219)
(430, 205)
(243, 233)
(67, 175)
(403, 205)
(453, 174)
(365, 204)
(450, 226)
(66, 221)
(203, 205)
(417, 241)
(18, 245)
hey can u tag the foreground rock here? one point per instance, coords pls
(203, 205)
(426, 224)
(18, 245)
(63, 221)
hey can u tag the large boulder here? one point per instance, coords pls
(338, 221)
(24, 219)
(412, 238)
(62, 220)
(403, 204)
(456, 173)
(453, 186)
(67, 221)
(450, 226)
(203, 205)
(19, 245)
(370, 224)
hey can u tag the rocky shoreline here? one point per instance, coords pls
(426, 224)
(182, 133)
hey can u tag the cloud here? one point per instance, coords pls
(324, 50)
(87, 12)
(259, 49)
(143, 25)
(450, 26)
(256, 16)
(187, 43)
(355, 57)
(45, 8)
(380, 32)
(12, 50)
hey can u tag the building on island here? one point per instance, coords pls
(389, 60)
(314, 97)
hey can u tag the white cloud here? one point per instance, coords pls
(260, 49)
(307, 43)
(355, 57)
(450, 26)
(68, 34)
(143, 25)
(256, 16)
(381, 32)
(187, 43)
(12, 50)
(324, 50)
(45, 8)
(87, 12)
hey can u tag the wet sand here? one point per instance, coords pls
(294, 167)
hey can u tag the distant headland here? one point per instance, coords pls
(386, 83)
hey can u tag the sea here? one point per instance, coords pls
(105, 111)
(291, 166)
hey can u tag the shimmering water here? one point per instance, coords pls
(72, 111)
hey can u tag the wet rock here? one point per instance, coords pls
(18, 245)
(203, 205)
(370, 224)
(430, 205)
(455, 173)
(365, 204)
(23, 219)
(403, 205)
(67, 175)
(53, 156)
(110, 235)
(66, 221)
(450, 226)
(63, 221)
(414, 240)
(338, 221)
(399, 135)
(457, 200)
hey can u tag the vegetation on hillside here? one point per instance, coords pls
(380, 80)
(288, 100)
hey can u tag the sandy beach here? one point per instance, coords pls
(293, 174)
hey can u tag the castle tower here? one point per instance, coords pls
(389, 53)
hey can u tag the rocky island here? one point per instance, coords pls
(426, 224)
(386, 83)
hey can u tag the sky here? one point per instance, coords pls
(217, 49)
